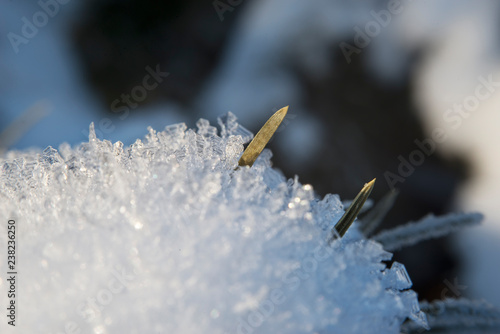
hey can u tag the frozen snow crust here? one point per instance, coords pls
(169, 236)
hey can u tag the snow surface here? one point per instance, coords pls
(170, 236)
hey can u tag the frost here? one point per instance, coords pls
(427, 228)
(459, 316)
(230, 126)
(169, 236)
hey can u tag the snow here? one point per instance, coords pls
(169, 235)
(73, 220)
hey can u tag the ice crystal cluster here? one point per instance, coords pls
(170, 236)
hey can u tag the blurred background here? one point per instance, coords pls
(404, 91)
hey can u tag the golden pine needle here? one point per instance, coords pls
(352, 212)
(262, 137)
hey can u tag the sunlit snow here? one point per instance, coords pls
(170, 236)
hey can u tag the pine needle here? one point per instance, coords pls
(262, 137)
(352, 212)
(20, 126)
